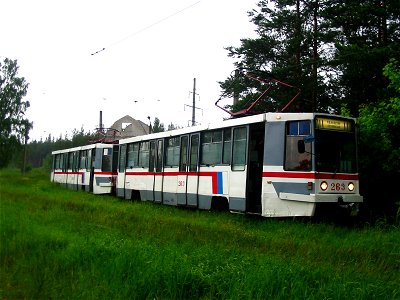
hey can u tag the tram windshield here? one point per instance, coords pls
(335, 146)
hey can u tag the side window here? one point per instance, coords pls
(107, 160)
(239, 148)
(211, 148)
(70, 160)
(172, 152)
(122, 158)
(57, 164)
(160, 151)
(133, 155)
(90, 160)
(184, 151)
(144, 155)
(226, 154)
(115, 152)
(295, 161)
(83, 159)
(76, 161)
(194, 152)
(152, 156)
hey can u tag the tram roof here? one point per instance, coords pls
(90, 146)
(266, 117)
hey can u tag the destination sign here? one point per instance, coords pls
(333, 124)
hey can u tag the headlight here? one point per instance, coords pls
(323, 185)
(351, 186)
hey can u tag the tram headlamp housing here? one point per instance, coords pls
(323, 185)
(351, 186)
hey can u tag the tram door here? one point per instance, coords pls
(158, 175)
(151, 177)
(238, 176)
(183, 168)
(188, 177)
(92, 158)
(255, 168)
(121, 171)
(193, 168)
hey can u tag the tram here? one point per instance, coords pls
(270, 164)
(88, 168)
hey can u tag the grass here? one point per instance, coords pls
(57, 243)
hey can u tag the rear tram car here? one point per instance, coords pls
(271, 164)
(91, 168)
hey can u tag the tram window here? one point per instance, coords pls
(152, 156)
(226, 155)
(295, 161)
(115, 151)
(299, 128)
(172, 152)
(65, 162)
(106, 161)
(75, 166)
(211, 148)
(159, 156)
(83, 159)
(133, 155)
(70, 161)
(144, 155)
(57, 164)
(239, 148)
(61, 166)
(194, 152)
(122, 158)
(184, 149)
(90, 158)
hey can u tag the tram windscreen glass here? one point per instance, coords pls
(335, 146)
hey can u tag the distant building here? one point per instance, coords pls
(128, 127)
(123, 128)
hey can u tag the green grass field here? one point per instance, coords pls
(57, 243)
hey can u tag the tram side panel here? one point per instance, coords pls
(276, 179)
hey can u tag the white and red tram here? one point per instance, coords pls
(88, 167)
(271, 164)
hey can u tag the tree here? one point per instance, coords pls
(172, 126)
(333, 50)
(380, 147)
(157, 125)
(14, 126)
(366, 36)
(291, 47)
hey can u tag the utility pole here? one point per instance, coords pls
(194, 103)
(193, 106)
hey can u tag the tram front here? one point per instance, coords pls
(334, 149)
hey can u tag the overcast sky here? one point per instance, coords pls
(153, 50)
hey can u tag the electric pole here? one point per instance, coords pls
(193, 106)
(194, 103)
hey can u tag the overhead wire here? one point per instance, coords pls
(147, 27)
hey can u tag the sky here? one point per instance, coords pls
(152, 52)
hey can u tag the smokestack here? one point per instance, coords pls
(101, 122)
